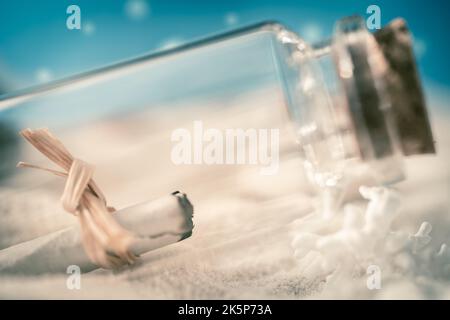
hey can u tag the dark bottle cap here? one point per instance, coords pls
(407, 99)
(381, 83)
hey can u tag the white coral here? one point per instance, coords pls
(365, 237)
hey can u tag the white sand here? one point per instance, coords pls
(245, 223)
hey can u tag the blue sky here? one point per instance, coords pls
(36, 46)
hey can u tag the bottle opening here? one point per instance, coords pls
(348, 98)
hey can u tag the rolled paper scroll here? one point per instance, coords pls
(154, 224)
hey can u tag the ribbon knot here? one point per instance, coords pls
(105, 241)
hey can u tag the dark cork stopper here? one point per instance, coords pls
(408, 102)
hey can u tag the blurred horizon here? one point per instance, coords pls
(36, 46)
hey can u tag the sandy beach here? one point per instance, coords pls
(245, 222)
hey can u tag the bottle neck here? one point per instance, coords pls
(341, 106)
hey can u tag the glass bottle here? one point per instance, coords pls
(354, 100)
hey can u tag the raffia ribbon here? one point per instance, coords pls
(105, 241)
